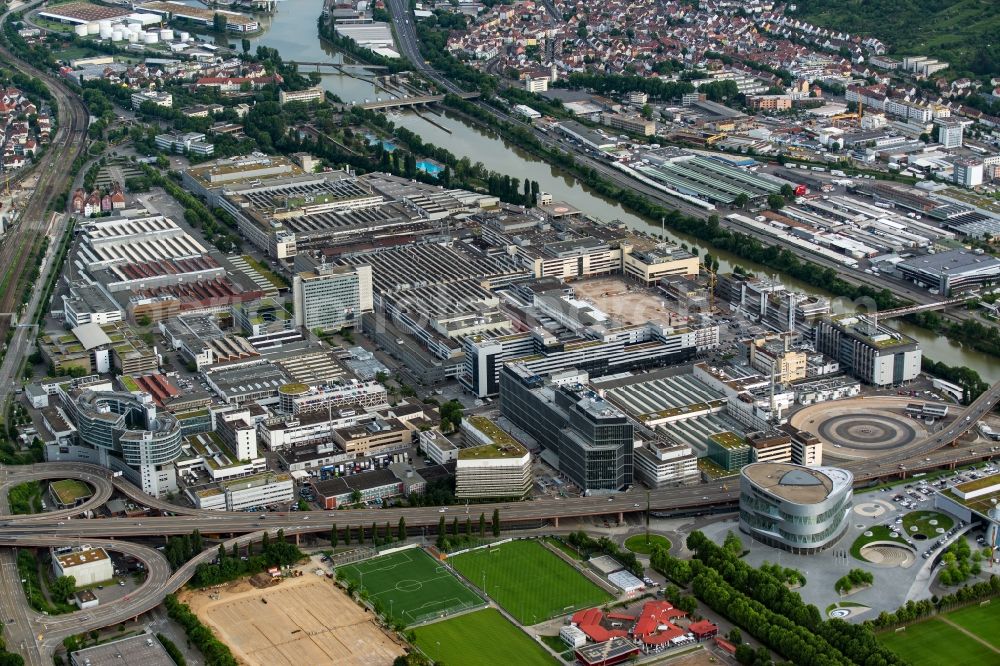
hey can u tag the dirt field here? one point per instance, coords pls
(612, 296)
(306, 620)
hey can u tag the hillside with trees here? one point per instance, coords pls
(961, 32)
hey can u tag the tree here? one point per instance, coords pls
(454, 526)
(333, 536)
(245, 43)
(647, 111)
(347, 536)
(355, 497)
(741, 200)
(265, 541)
(219, 22)
(496, 522)
(374, 533)
(732, 544)
(775, 201)
(735, 636)
(401, 529)
(482, 526)
(63, 587)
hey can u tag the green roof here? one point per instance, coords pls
(495, 433)
(728, 440)
(69, 491)
(979, 484)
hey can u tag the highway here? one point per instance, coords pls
(24, 530)
(48, 529)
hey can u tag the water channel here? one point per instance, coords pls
(292, 30)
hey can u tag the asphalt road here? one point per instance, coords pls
(68, 142)
(408, 42)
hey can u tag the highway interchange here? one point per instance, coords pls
(36, 636)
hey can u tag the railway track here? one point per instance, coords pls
(25, 238)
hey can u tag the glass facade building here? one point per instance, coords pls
(592, 439)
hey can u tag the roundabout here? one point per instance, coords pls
(861, 428)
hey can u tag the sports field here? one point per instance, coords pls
(531, 582)
(411, 586)
(941, 640)
(483, 638)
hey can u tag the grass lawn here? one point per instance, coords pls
(529, 581)
(637, 543)
(70, 491)
(565, 547)
(933, 642)
(983, 621)
(879, 533)
(923, 520)
(411, 586)
(483, 638)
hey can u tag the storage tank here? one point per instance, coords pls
(117, 36)
(133, 37)
(135, 27)
(185, 37)
(93, 28)
(150, 38)
(81, 30)
(105, 32)
(104, 23)
(167, 35)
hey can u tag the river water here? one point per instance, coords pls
(292, 30)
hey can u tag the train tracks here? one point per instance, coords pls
(19, 251)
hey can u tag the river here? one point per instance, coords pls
(292, 30)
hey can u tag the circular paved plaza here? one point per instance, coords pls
(859, 428)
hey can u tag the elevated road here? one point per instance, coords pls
(97, 477)
(687, 498)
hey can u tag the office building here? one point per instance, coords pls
(332, 297)
(245, 493)
(634, 124)
(772, 357)
(187, 142)
(872, 352)
(585, 437)
(123, 432)
(660, 463)
(157, 97)
(799, 509)
(493, 464)
(967, 171)
(949, 132)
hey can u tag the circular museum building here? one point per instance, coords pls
(800, 509)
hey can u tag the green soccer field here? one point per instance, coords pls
(483, 638)
(532, 583)
(411, 586)
(934, 642)
(983, 621)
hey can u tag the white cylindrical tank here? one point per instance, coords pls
(135, 27)
(133, 37)
(167, 35)
(185, 37)
(117, 36)
(104, 23)
(93, 28)
(81, 30)
(106, 32)
(150, 38)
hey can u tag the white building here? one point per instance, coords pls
(437, 447)
(659, 463)
(314, 94)
(87, 565)
(245, 493)
(493, 465)
(157, 97)
(332, 297)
